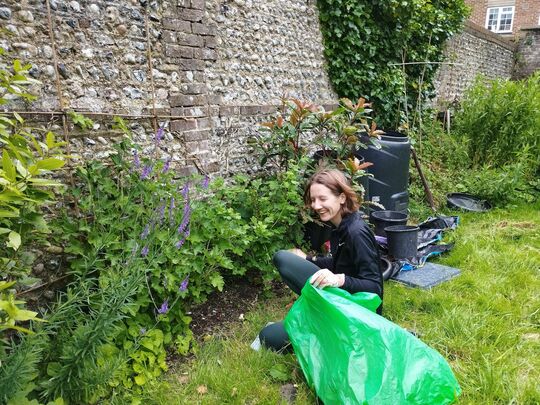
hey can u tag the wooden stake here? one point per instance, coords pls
(429, 196)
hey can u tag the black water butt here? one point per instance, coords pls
(390, 170)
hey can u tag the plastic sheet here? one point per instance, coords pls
(351, 355)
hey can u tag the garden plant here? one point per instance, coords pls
(142, 247)
(366, 44)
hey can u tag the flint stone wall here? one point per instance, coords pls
(209, 69)
(528, 59)
(474, 51)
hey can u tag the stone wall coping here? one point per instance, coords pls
(481, 32)
(531, 28)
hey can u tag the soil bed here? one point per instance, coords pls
(229, 306)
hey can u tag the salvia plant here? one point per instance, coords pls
(144, 248)
(108, 325)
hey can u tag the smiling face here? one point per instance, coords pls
(325, 203)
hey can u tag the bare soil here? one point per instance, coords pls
(229, 306)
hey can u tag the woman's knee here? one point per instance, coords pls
(280, 257)
(274, 336)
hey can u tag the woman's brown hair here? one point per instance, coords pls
(338, 184)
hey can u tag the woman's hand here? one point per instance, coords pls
(298, 252)
(325, 278)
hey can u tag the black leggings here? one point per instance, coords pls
(295, 272)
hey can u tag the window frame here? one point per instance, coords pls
(500, 9)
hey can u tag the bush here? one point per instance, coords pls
(447, 165)
(142, 250)
(28, 155)
(500, 120)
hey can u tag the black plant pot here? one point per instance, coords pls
(382, 219)
(402, 241)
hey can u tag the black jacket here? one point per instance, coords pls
(356, 254)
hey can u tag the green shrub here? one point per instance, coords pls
(28, 155)
(511, 183)
(142, 250)
(300, 126)
(448, 167)
(270, 208)
(500, 121)
(11, 310)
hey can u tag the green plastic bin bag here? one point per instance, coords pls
(351, 355)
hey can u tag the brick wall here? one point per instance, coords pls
(526, 12)
(478, 11)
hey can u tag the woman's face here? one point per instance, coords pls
(326, 204)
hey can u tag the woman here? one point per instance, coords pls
(354, 263)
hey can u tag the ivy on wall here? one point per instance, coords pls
(366, 41)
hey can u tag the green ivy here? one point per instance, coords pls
(366, 40)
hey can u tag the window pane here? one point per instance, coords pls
(506, 19)
(493, 16)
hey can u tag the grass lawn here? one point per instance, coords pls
(486, 323)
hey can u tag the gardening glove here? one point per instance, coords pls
(325, 278)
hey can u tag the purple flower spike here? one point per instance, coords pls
(145, 232)
(184, 284)
(187, 211)
(161, 212)
(147, 170)
(144, 251)
(164, 307)
(180, 243)
(185, 190)
(184, 223)
(205, 182)
(166, 166)
(159, 134)
(171, 209)
(136, 160)
(142, 331)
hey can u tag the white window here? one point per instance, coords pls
(500, 19)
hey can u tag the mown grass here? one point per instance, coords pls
(486, 323)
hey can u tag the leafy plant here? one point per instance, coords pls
(367, 41)
(27, 158)
(499, 120)
(269, 206)
(11, 310)
(303, 126)
(80, 120)
(448, 167)
(182, 235)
